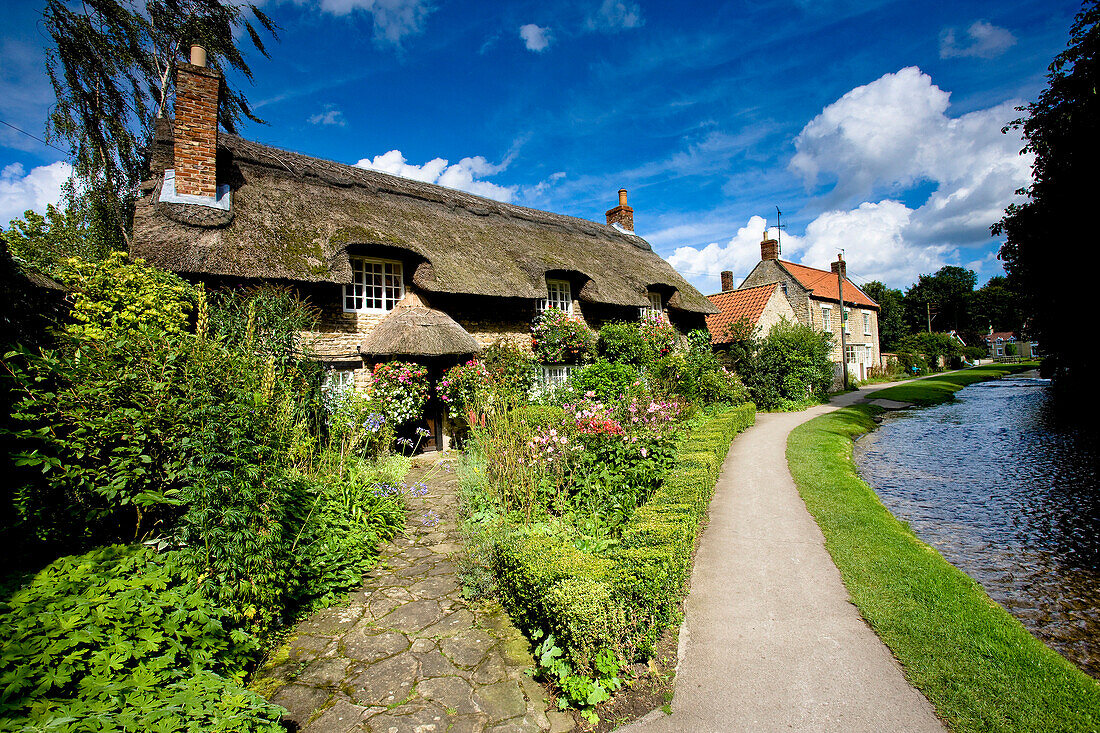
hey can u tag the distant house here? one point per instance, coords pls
(997, 342)
(398, 268)
(814, 298)
(761, 307)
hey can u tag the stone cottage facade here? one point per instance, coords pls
(364, 246)
(814, 299)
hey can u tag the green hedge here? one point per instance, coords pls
(624, 600)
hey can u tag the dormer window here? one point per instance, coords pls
(654, 308)
(376, 286)
(558, 295)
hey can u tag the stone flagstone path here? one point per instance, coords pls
(407, 653)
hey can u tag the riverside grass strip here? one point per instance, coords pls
(624, 600)
(980, 668)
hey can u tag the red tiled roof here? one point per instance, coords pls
(734, 305)
(822, 284)
(1003, 335)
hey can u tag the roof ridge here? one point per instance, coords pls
(742, 290)
(415, 188)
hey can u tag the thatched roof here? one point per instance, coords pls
(295, 218)
(418, 331)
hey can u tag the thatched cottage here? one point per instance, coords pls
(778, 289)
(399, 268)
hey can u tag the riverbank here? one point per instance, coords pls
(980, 668)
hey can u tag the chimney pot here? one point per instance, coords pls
(769, 248)
(840, 266)
(727, 281)
(622, 214)
(198, 55)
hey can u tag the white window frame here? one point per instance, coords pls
(337, 382)
(654, 308)
(827, 318)
(555, 376)
(558, 295)
(383, 278)
(867, 324)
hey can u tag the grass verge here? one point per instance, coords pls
(980, 668)
(941, 387)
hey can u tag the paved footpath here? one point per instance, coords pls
(770, 640)
(406, 652)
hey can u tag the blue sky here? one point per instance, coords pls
(874, 126)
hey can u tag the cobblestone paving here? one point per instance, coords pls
(407, 653)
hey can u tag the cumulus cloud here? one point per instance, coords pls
(535, 38)
(463, 175)
(330, 114)
(986, 41)
(393, 19)
(20, 190)
(891, 134)
(613, 16)
(881, 138)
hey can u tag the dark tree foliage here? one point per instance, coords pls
(1062, 130)
(111, 66)
(996, 306)
(947, 293)
(891, 324)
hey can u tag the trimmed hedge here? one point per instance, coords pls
(622, 601)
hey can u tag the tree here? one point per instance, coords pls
(77, 230)
(996, 305)
(947, 294)
(111, 67)
(1061, 130)
(891, 324)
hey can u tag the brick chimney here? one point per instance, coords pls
(769, 248)
(196, 127)
(840, 266)
(622, 214)
(727, 281)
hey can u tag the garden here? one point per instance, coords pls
(180, 489)
(186, 484)
(583, 502)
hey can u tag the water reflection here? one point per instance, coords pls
(1008, 497)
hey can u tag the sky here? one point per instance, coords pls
(875, 127)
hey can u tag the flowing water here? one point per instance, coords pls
(1007, 496)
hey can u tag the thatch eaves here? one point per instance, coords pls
(297, 218)
(418, 331)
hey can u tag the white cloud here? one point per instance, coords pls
(20, 190)
(987, 41)
(535, 38)
(393, 19)
(613, 16)
(891, 134)
(463, 175)
(330, 114)
(738, 255)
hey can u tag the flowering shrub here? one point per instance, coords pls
(461, 385)
(658, 333)
(558, 339)
(401, 389)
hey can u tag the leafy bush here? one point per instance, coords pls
(792, 367)
(624, 343)
(124, 639)
(911, 363)
(121, 293)
(558, 339)
(973, 353)
(401, 389)
(540, 416)
(608, 381)
(697, 374)
(513, 370)
(932, 347)
(1010, 350)
(658, 333)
